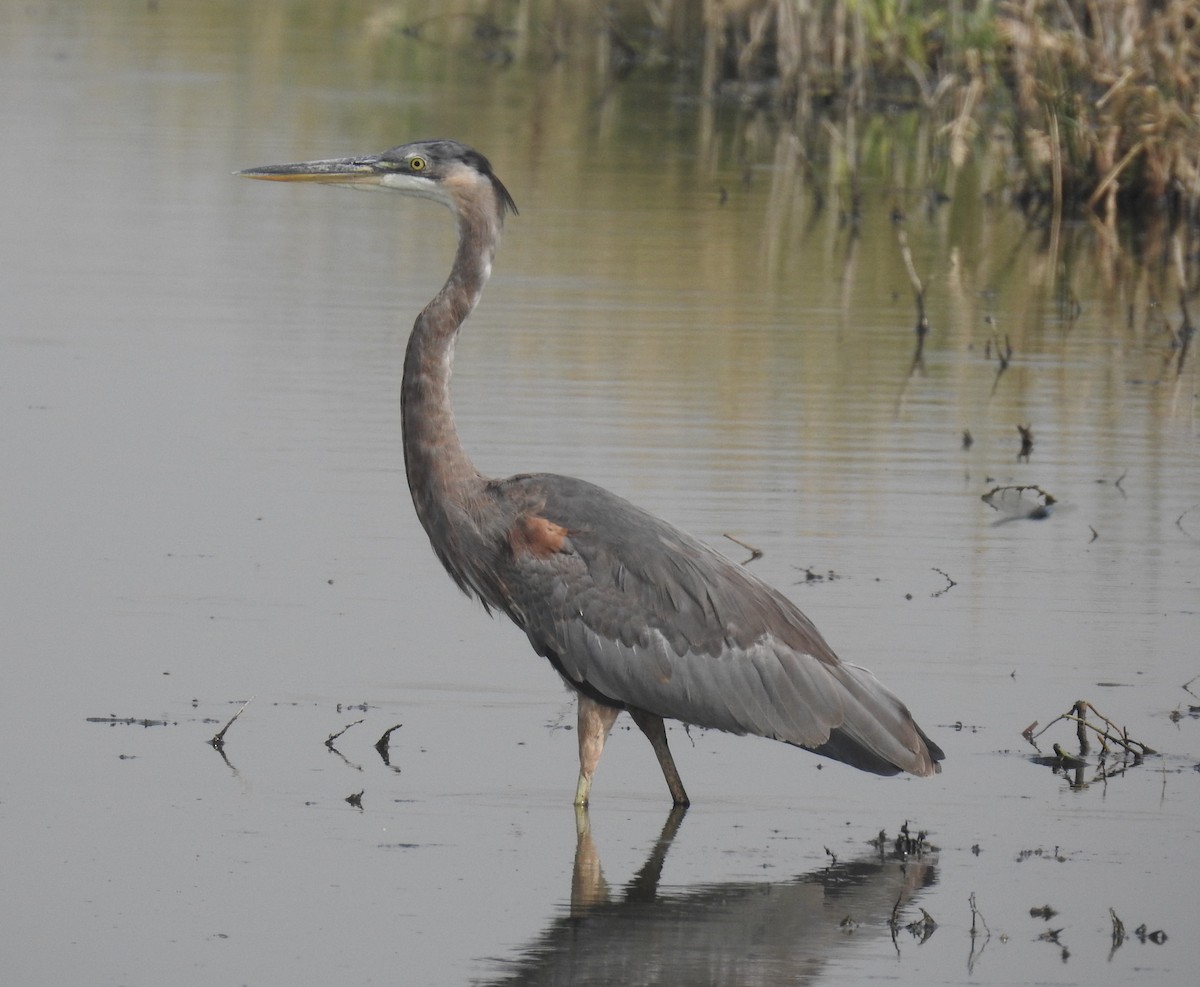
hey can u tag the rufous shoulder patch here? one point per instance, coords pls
(537, 536)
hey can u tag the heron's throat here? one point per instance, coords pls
(444, 483)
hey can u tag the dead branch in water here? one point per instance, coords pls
(1183, 337)
(1026, 432)
(1118, 932)
(334, 736)
(922, 325)
(1109, 732)
(977, 917)
(381, 745)
(1004, 351)
(218, 740)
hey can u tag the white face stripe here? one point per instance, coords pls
(413, 185)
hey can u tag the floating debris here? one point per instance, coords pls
(1026, 442)
(908, 845)
(904, 846)
(1158, 937)
(1055, 856)
(1020, 503)
(923, 927)
(816, 577)
(129, 721)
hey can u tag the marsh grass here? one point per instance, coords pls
(1105, 104)
(1098, 100)
(1086, 106)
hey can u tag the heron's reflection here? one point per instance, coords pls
(736, 933)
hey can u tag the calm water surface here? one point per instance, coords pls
(204, 502)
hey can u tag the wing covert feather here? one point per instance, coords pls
(640, 614)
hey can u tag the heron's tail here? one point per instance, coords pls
(878, 733)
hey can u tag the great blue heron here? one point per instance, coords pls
(633, 613)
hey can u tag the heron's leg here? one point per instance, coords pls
(595, 721)
(652, 726)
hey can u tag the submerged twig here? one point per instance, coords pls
(1118, 932)
(1068, 760)
(1158, 937)
(914, 279)
(334, 736)
(1004, 352)
(923, 927)
(907, 845)
(381, 745)
(1026, 442)
(1187, 328)
(755, 553)
(1179, 520)
(922, 325)
(950, 583)
(218, 740)
(976, 916)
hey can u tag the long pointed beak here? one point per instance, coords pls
(335, 171)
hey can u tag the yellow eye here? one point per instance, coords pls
(416, 164)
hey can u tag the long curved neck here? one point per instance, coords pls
(445, 485)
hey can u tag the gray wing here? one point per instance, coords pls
(636, 613)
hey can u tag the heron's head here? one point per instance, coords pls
(443, 170)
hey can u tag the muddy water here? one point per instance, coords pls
(203, 504)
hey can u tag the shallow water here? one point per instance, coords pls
(204, 503)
